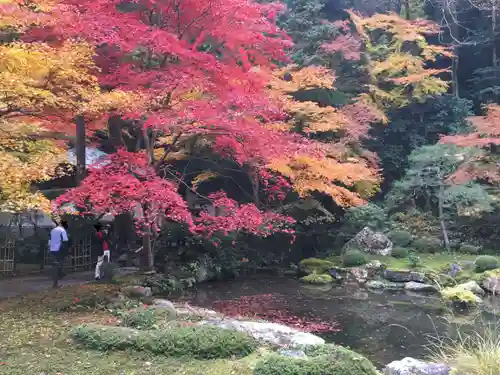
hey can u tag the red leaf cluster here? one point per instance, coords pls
(273, 308)
(487, 130)
(348, 45)
(192, 62)
(126, 182)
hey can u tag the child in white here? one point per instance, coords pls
(104, 252)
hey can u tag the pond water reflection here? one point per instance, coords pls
(383, 326)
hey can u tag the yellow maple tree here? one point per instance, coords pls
(329, 176)
(24, 161)
(348, 180)
(306, 116)
(396, 53)
(43, 88)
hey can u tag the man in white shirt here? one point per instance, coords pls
(58, 243)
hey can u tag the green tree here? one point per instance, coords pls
(429, 183)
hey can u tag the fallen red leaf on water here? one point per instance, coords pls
(273, 308)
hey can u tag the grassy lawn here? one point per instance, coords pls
(34, 339)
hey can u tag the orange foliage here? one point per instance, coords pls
(337, 175)
(326, 176)
(310, 116)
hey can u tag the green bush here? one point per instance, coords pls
(323, 360)
(400, 237)
(469, 249)
(459, 295)
(352, 258)
(200, 342)
(144, 318)
(427, 245)
(413, 260)
(315, 265)
(399, 252)
(485, 263)
(315, 278)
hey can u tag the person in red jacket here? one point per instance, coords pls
(104, 251)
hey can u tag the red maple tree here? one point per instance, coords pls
(192, 64)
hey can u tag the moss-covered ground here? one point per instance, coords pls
(434, 262)
(34, 339)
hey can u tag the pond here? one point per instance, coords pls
(383, 326)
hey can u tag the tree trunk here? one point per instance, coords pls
(407, 9)
(115, 132)
(454, 75)
(80, 149)
(454, 33)
(254, 178)
(493, 33)
(494, 41)
(446, 240)
(149, 258)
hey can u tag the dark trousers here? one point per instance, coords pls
(58, 262)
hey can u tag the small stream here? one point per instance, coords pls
(383, 326)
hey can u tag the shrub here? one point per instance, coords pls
(485, 263)
(413, 260)
(400, 237)
(323, 360)
(315, 278)
(427, 245)
(459, 295)
(201, 342)
(469, 249)
(144, 318)
(81, 297)
(370, 215)
(399, 252)
(352, 258)
(471, 353)
(315, 265)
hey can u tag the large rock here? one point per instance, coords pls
(137, 291)
(292, 353)
(205, 271)
(420, 287)
(273, 333)
(473, 287)
(412, 366)
(454, 270)
(492, 284)
(164, 304)
(193, 311)
(358, 274)
(404, 276)
(370, 242)
(382, 284)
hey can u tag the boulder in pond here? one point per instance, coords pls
(358, 274)
(454, 270)
(473, 287)
(384, 284)
(412, 366)
(272, 333)
(370, 242)
(404, 276)
(420, 287)
(491, 281)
